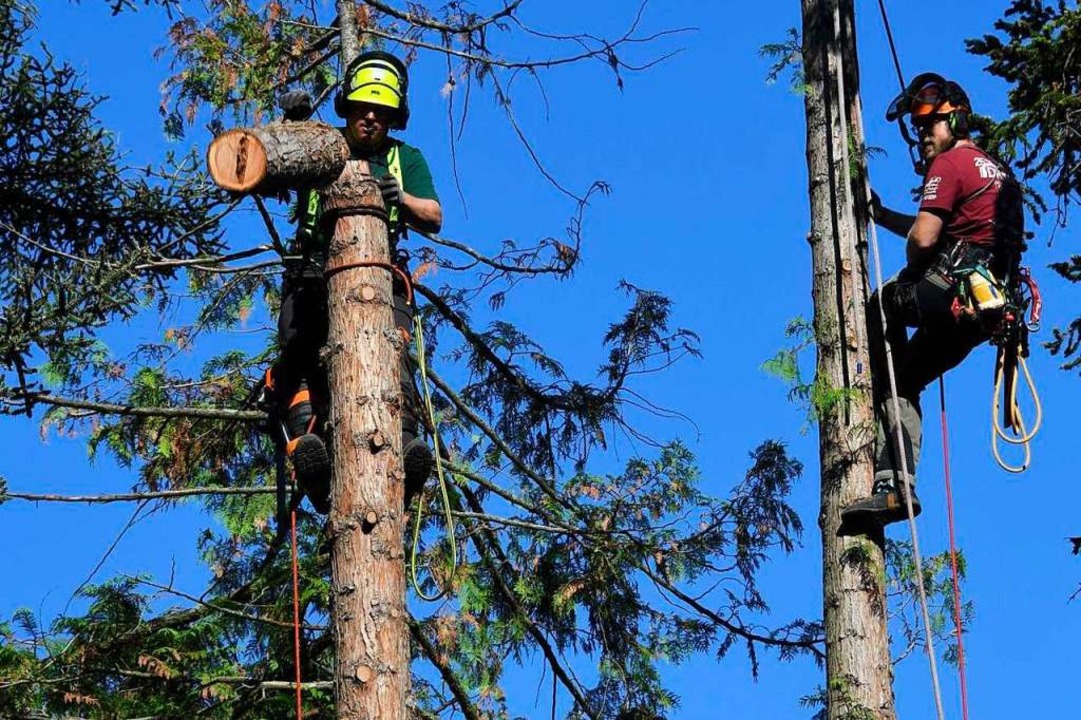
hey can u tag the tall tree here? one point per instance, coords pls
(1033, 49)
(859, 672)
(557, 561)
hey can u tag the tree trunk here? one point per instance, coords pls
(347, 30)
(859, 673)
(367, 488)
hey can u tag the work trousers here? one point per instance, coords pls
(920, 299)
(302, 333)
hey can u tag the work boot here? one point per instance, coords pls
(417, 460)
(886, 505)
(311, 468)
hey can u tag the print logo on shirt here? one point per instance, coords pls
(989, 169)
(930, 189)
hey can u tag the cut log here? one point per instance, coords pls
(277, 156)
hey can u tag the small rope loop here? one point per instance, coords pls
(422, 364)
(394, 269)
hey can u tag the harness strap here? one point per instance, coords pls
(394, 166)
(312, 213)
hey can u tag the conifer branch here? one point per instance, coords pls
(804, 645)
(427, 22)
(473, 417)
(461, 694)
(489, 548)
(135, 496)
(217, 608)
(20, 401)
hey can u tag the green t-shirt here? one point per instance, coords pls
(416, 180)
(416, 177)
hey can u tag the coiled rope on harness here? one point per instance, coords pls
(1010, 362)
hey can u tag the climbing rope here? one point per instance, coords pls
(422, 364)
(418, 340)
(954, 572)
(1007, 363)
(893, 46)
(849, 201)
(896, 406)
(296, 617)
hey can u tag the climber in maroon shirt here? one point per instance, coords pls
(969, 229)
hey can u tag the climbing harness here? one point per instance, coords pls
(310, 215)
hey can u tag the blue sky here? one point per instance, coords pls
(709, 205)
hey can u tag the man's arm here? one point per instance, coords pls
(923, 237)
(422, 213)
(897, 223)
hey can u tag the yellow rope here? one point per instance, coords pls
(418, 339)
(1021, 436)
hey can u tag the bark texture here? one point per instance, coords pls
(277, 156)
(858, 669)
(367, 489)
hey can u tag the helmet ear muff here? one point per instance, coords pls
(958, 98)
(341, 105)
(959, 123)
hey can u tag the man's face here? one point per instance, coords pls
(935, 135)
(367, 124)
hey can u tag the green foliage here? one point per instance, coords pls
(1067, 341)
(787, 57)
(938, 585)
(74, 223)
(840, 692)
(1034, 50)
(239, 59)
(817, 398)
(562, 562)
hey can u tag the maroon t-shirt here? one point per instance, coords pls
(963, 185)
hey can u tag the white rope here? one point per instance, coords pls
(905, 475)
(917, 558)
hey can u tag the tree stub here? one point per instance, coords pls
(277, 156)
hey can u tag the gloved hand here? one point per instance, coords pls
(296, 105)
(391, 191)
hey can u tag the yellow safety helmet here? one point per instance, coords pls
(377, 78)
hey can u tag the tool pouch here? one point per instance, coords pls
(978, 295)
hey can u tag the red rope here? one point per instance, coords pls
(334, 270)
(953, 552)
(296, 619)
